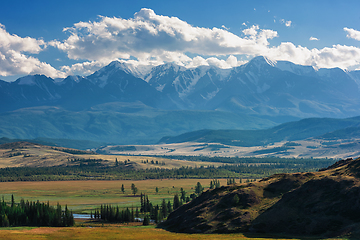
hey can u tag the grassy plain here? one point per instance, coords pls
(118, 232)
(84, 196)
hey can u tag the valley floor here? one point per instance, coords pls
(315, 148)
(85, 196)
(85, 230)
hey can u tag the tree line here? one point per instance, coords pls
(28, 213)
(148, 210)
(93, 169)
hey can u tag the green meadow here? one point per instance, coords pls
(85, 196)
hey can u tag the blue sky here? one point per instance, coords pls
(60, 38)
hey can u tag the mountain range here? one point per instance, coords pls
(260, 87)
(124, 105)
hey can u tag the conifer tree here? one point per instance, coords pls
(211, 185)
(183, 195)
(198, 188)
(146, 220)
(164, 209)
(176, 203)
(169, 208)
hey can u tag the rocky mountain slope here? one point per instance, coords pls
(323, 204)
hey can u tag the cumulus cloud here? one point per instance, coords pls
(85, 68)
(14, 59)
(153, 39)
(149, 37)
(336, 56)
(352, 33)
(313, 39)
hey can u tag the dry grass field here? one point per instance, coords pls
(305, 149)
(115, 232)
(35, 155)
(83, 196)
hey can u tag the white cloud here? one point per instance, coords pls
(85, 68)
(153, 38)
(223, 26)
(313, 39)
(352, 33)
(337, 56)
(149, 39)
(287, 23)
(252, 31)
(244, 24)
(230, 62)
(13, 58)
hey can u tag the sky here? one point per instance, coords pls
(61, 38)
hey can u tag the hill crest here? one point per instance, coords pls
(323, 203)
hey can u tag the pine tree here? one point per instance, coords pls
(169, 208)
(198, 188)
(137, 215)
(164, 209)
(176, 203)
(141, 202)
(183, 194)
(211, 185)
(146, 220)
(12, 200)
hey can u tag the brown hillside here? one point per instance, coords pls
(25, 154)
(324, 203)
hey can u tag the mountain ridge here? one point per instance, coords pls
(259, 87)
(290, 131)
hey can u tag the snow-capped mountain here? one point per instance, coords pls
(261, 87)
(188, 88)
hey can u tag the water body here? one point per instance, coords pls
(82, 216)
(87, 216)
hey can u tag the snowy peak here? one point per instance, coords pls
(114, 66)
(115, 70)
(139, 71)
(27, 80)
(261, 61)
(32, 80)
(295, 68)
